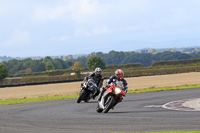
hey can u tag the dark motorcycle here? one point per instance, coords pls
(88, 89)
(111, 97)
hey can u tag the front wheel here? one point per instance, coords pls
(99, 110)
(82, 93)
(109, 104)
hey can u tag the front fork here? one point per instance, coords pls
(102, 97)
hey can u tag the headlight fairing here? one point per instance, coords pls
(118, 90)
(85, 85)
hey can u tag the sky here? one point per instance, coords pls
(70, 27)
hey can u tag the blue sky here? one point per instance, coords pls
(63, 27)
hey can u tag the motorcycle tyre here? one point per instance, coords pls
(98, 109)
(111, 103)
(87, 100)
(81, 96)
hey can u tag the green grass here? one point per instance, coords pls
(151, 89)
(162, 132)
(30, 100)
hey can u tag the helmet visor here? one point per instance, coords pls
(98, 72)
(120, 75)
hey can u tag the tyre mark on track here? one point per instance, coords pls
(178, 105)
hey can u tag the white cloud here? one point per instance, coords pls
(16, 8)
(102, 30)
(105, 30)
(99, 30)
(45, 14)
(84, 10)
(61, 38)
(73, 10)
(1, 10)
(179, 16)
(18, 38)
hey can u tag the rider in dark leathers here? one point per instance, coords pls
(118, 76)
(98, 78)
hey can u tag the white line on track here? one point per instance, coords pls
(153, 106)
(179, 105)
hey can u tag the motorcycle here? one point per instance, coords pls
(111, 97)
(88, 89)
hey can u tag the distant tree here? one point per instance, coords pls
(47, 59)
(83, 60)
(196, 50)
(92, 54)
(68, 58)
(58, 63)
(21, 72)
(28, 70)
(172, 50)
(3, 71)
(188, 50)
(37, 66)
(152, 51)
(49, 66)
(69, 64)
(77, 68)
(95, 61)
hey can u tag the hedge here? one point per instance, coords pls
(178, 62)
(62, 78)
(20, 81)
(131, 65)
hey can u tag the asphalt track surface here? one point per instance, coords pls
(137, 113)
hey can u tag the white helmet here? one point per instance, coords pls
(97, 70)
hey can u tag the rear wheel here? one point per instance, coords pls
(109, 104)
(82, 93)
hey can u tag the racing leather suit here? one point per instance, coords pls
(110, 80)
(98, 78)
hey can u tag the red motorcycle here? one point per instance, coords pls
(111, 97)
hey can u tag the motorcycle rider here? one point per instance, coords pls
(118, 76)
(98, 78)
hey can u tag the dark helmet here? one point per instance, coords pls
(119, 74)
(98, 69)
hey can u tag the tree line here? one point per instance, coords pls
(111, 58)
(31, 65)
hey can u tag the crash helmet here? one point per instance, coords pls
(98, 70)
(119, 74)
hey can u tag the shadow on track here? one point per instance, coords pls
(136, 112)
(88, 102)
(122, 112)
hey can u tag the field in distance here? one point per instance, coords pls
(72, 88)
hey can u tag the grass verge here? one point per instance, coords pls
(151, 89)
(165, 132)
(30, 100)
